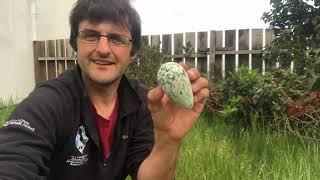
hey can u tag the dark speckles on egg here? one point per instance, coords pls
(174, 81)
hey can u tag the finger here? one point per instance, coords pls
(200, 100)
(184, 65)
(154, 99)
(193, 74)
(201, 96)
(199, 84)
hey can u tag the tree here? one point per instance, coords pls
(296, 24)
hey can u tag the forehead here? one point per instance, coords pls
(104, 27)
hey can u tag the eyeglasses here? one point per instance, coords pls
(93, 37)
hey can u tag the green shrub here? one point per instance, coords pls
(145, 67)
(246, 93)
(278, 100)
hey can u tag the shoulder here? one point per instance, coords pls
(54, 95)
(68, 84)
(49, 105)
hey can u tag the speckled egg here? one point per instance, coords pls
(174, 81)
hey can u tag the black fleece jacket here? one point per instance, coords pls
(52, 134)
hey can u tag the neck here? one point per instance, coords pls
(102, 96)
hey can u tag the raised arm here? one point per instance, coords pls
(171, 124)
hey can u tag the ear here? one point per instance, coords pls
(133, 57)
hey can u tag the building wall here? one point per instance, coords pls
(53, 19)
(16, 70)
(23, 21)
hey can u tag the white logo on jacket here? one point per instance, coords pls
(19, 122)
(81, 139)
(80, 142)
(77, 160)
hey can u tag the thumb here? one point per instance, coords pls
(154, 99)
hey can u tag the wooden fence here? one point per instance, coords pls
(214, 53)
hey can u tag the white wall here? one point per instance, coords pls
(17, 69)
(17, 18)
(53, 19)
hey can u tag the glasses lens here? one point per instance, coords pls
(118, 39)
(92, 37)
(89, 36)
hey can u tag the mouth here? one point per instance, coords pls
(102, 62)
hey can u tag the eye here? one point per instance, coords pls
(118, 39)
(90, 36)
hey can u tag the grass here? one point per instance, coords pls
(6, 107)
(215, 150)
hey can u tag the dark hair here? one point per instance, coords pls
(117, 11)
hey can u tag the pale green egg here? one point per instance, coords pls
(174, 81)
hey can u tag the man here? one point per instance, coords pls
(92, 122)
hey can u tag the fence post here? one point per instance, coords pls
(212, 57)
(39, 66)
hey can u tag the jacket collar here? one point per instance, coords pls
(129, 100)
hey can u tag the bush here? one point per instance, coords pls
(277, 100)
(303, 115)
(146, 65)
(245, 93)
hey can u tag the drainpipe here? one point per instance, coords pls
(35, 14)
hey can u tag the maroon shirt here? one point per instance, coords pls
(106, 128)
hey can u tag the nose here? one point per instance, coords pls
(103, 47)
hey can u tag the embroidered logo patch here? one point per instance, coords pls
(81, 139)
(77, 160)
(19, 122)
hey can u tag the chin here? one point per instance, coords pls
(103, 78)
(105, 81)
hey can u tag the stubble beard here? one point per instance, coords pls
(102, 82)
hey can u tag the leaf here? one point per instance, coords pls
(316, 84)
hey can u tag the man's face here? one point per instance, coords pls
(103, 61)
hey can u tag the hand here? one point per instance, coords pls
(172, 121)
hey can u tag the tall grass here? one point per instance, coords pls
(6, 107)
(215, 150)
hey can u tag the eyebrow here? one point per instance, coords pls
(92, 30)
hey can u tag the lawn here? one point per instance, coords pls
(215, 150)
(5, 109)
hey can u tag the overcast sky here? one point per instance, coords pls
(170, 16)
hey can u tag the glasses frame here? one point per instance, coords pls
(82, 37)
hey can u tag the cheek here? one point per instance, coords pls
(84, 51)
(122, 55)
